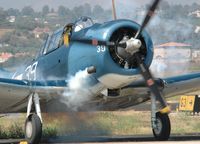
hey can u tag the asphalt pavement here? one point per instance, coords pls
(174, 139)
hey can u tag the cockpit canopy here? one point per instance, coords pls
(82, 23)
(56, 39)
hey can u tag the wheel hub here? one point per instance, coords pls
(158, 125)
(29, 129)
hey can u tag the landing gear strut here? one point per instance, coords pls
(161, 126)
(33, 124)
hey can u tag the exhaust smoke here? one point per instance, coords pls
(77, 92)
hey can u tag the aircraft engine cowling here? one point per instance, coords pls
(120, 56)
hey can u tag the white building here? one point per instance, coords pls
(11, 19)
(195, 13)
(197, 30)
(171, 59)
(173, 50)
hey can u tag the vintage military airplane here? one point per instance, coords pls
(116, 54)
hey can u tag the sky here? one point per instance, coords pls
(38, 4)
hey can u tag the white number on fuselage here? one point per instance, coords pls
(101, 48)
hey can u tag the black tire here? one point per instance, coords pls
(33, 129)
(163, 132)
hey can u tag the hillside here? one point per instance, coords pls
(4, 31)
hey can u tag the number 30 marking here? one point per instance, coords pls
(101, 48)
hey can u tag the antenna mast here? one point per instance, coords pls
(114, 10)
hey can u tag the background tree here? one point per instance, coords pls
(25, 23)
(27, 11)
(3, 20)
(45, 10)
(52, 10)
(13, 12)
(61, 11)
(87, 9)
(98, 11)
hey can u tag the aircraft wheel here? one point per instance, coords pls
(163, 127)
(33, 129)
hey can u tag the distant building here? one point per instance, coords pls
(195, 13)
(46, 22)
(196, 55)
(39, 31)
(38, 19)
(11, 19)
(22, 54)
(171, 59)
(141, 12)
(197, 30)
(53, 14)
(5, 56)
(172, 50)
(4, 45)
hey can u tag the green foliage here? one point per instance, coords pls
(62, 11)
(27, 11)
(100, 124)
(17, 61)
(27, 23)
(20, 41)
(6, 37)
(3, 15)
(13, 12)
(45, 10)
(50, 132)
(3, 133)
(15, 131)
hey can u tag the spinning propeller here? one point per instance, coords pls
(132, 47)
(144, 70)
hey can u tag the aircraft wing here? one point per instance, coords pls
(173, 86)
(189, 83)
(14, 93)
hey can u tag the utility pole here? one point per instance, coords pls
(114, 10)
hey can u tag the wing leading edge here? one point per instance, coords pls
(14, 93)
(184, 84)
(173, 86)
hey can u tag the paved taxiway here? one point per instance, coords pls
(127, 139)
(189, 139)
(171, 142)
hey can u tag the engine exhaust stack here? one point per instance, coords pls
(91, 70)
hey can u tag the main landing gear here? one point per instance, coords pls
(161, 126)
(33, 124)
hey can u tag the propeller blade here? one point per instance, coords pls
(149, 80)
(148, 17)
